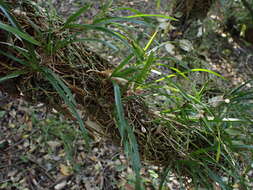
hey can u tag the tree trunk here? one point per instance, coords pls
(192, 10)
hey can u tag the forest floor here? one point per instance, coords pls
(39, 149)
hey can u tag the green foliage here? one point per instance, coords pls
(31, 61)
(127, 136)
(74, 16)
(18, 33)
(54, 130)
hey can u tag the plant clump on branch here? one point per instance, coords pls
(33, 65)
(85, 73)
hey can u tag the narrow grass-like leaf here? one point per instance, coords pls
(6, 12)
(30, 62)
(125, 73)
(218, 179)
(191, 70)
(21, 50)
(99, 28)
(179, 72)
(121, 19)
(104, 9)
(189, 97)
(122, 65)
(146, 19)
(145, 70)
(130, 9)
(138, 51)
(163, 177)
(132, 30)
(237, 89)
(166, 77)
(60, 83)
(12, 75)
(151, 40)
(158, 4)
(68, 98)
(151, 15)
(5, 9)
(120, 111)
(208, 71)
(17, 32)
(218, 153)
(65, 43)
(173, 60)
(127, 136)
(75, 15)
(243, 146)
(18, 60)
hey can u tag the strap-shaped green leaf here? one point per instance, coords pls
(18, 33)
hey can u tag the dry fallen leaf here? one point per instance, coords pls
(60, 185)
(66, 170)
(186, 45)
(170, 48)
(54, 144)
